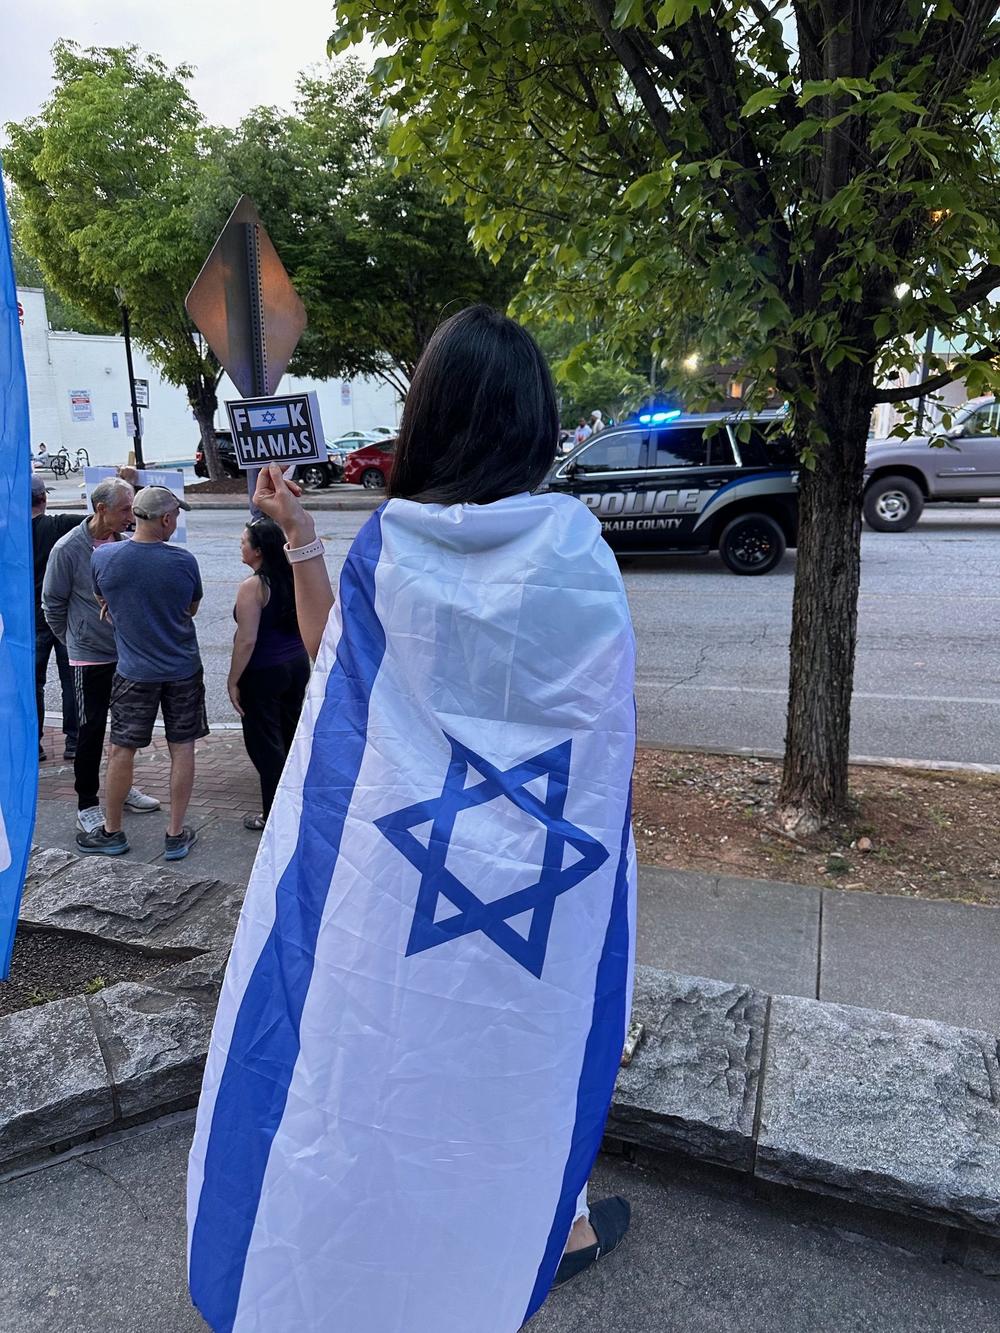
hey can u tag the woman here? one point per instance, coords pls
(269, 669)
(426, 1002)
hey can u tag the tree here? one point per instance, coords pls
(378, 258)
(585, 379)
(809, 185)
(108, 182)
(28, 273)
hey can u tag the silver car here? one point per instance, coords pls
(962, 463)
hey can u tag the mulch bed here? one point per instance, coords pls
(922, 833)
(227, 486)
(50, 965)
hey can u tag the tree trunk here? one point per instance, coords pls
(825, 606)
(204, 402)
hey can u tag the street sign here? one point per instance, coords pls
(244, 304)
(277, 430)
(130, 425)
(142, 393)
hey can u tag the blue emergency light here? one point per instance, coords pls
(656, 418)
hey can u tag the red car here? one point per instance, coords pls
(370, 466)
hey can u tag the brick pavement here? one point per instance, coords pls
(225, 783)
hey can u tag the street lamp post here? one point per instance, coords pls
(136, 422)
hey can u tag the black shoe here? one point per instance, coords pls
(70, 750)
(610, 1219)
(177, 845)
(42, 756)
(102, 843)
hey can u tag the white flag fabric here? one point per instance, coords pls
(425, 1007)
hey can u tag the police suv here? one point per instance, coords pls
(671, 483)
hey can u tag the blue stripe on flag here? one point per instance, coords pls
(265, 1042)
(601, 1058)
(18, 721)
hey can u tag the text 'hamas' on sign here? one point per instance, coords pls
(277, 430)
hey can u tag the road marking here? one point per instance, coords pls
(858, 694)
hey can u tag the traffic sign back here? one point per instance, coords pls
(244, 304)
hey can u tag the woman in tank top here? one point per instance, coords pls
(269, 670)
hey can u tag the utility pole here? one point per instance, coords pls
(136, 421)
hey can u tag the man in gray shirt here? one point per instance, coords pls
(151, 591)
(73, 615)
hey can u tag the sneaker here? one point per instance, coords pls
(139, 803)
(89, 820)
(70, 750)
(177, 845)
(102, 843)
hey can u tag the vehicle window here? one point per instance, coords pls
(772, 448)
(681, 448)
(720, 450)
(984, 421)
(620, 453)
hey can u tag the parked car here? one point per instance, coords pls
(959, 464)
(370, 466)
(661, 488)
(227, 456)
(324, 474)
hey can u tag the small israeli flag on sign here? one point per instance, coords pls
(268, 418)
(426, 1003)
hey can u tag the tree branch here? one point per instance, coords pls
(976, 289)
(936, 382)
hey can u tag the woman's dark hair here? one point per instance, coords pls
(481, 419)
(266, 537)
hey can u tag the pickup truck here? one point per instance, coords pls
(959, 464)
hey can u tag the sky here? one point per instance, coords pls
(246, 52)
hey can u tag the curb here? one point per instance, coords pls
(312, 501)
(858, 760)
(875, 1109)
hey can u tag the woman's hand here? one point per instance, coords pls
(234, 696)
(278, 498)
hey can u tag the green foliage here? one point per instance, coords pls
(28, 273)
(107, 180)
(378, 258)
(122, 186)
(697, 166)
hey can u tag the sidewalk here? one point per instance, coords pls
(353, 498)
(921, 958)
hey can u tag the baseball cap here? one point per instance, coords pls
(38, 488)
(155, 501)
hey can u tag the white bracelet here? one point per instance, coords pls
(293, 554)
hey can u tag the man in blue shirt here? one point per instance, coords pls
(151, 591)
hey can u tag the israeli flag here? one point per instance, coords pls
(268, 418)
(425, 1007)
(18, 720)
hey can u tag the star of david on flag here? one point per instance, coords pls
(437, 881)
(261, 417)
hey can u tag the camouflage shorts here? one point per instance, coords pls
(135, 703)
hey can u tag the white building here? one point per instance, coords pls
(78, 396)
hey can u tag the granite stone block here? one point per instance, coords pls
(692, 1085)
(887, 1111)
(54, 1082)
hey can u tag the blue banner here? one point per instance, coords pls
(18, 720)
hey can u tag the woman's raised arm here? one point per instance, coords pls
(278, 498)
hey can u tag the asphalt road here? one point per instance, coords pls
(95, 1244)
(712, 666)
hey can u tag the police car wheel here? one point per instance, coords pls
(893, 504)
(752, 544)
(372, 479)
